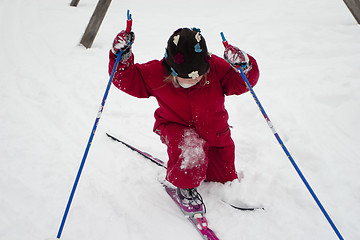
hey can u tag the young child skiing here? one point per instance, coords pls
(190, 85)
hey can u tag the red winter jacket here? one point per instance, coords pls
(200, 107)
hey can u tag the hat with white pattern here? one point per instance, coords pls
(186, 54)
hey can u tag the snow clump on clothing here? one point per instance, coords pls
(192, 148)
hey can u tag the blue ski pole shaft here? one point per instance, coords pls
(87, 148)
(128, 28)
(225, 43)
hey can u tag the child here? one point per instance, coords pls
(190, 86)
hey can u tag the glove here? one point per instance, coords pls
(122, 42)
(236, 57)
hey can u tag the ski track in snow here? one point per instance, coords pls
(51, 88)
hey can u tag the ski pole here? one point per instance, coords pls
(128, 29)
(225, 43)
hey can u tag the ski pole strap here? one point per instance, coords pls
(225, 43)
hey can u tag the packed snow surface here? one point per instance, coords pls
(51, 88)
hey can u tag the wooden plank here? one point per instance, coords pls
(354, 7)
(74, 3)
(94, 23)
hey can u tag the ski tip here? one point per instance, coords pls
(245, 207)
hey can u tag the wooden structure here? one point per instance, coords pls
(94, 23)
(74, 3)
(354, 7)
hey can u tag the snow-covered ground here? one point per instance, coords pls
(50, 90)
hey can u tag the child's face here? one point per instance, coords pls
(189, 80)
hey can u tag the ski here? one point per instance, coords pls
(144, 154)
(243, 207)
(161, 163)
(197, 219)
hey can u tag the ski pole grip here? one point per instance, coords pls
(128, 22)
(225, 43)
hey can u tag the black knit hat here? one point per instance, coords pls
(186, 54)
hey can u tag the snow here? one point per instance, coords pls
(192, 150)
(51, 88)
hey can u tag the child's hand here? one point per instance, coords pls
(123, 42)
(236, 57)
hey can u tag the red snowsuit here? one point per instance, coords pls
(192, 122)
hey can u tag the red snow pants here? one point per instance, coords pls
(192, 160)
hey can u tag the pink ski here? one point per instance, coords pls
(196, 217)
